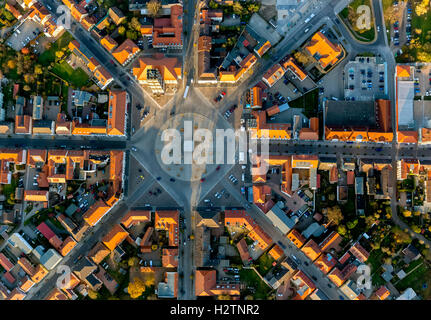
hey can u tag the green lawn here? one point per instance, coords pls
(265, 264)
(48, 56)
(309, 102)
(416, 281)
(362, 35)
(77, 78)
(251, 279)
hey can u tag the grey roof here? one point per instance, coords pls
(359, 114)
(50, 259)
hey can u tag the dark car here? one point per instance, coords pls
(172, 179)
(202, 179)
(218, 168)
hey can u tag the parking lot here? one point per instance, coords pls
(422, 80)
(28, 31)
(365, 79)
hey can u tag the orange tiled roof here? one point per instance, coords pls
(68, 244)
(274, 74)
(169, 68)
(311, 250)
(23, 124)
(336, 277)
(96, 212)
(304, 285)
(359, 252)
(269, 130)
(26, 284)
(56, 294)
(108, 43)
(125, 51)
(98, 253)
(296, 237)
(206, 285)
(276, 252)
(327, 243)
(168, 220)
(117, 110)
(407, 136)
(403, 71)
(325, 262)
(290, 64)
(168, 31)
(382, 293)
(115, 237)
(170, 258)
(36, 195)
(323, 50)
(243, 250)
(134, 217)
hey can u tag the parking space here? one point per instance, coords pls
(157, 197)
(365, 79)
(84, 200)
(423, 80)
(26, 32)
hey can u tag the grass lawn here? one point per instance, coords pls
(251, 279)
(77, 78)
(48, 56)
(419, 280)
(363, 35)
(265, 264)
(309, 102)
(375, 260)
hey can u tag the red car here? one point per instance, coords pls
(203, 179)
(223, 93)
(218, 168)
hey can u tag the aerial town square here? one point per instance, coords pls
(215, 150)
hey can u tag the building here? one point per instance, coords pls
(168, 32)
(302, 284)
(275, 73)
(206, 285)
(117, 113)
(168, 288)
(96, 212)
(37, 107)
(126, 52)
(115, 237)
(404, 95)
(134, 217)
(358, 121)
(101, 76)
(157, 72)
(240, 218)
(168, 221)
(323, 51)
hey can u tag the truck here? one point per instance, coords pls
(186, 92)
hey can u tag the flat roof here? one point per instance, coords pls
(405, 96)
(350, 114)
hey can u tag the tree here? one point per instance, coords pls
(152, 297)
(11, 64)
(133, 261)
(153, 7)
(135, 24)
(422, 8)
(121, 30)
(416, 229)
(237, 7)
(352, 224)
(342, 230)
(136, 288)
(300, 57)
(407, 213)
(334, 214)
(224, 297)
(93, 294)
(132, 35)
(401, 236)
